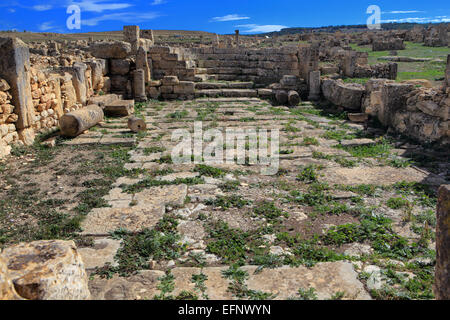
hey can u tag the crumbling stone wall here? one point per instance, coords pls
(385, 45)
(437, 36)
(171, 88)
(47, 102)
(8, 132)
(420, 113)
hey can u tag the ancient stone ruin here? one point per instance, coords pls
(132, 92)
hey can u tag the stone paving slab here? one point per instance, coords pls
(102, 221)
(103, 251)
(327, 278)
(168, 195)
(371, 175)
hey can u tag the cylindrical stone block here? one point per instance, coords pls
(293, 98)
(282, 97)
(137, 124)
(75, 123)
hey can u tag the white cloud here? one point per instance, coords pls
(43, 7)
(230, 17)
(12, 10)
(403, 12)
(158, 2)
(45, 26)
(439, 19)
(255, 28)
(127, 17)
(99, 5)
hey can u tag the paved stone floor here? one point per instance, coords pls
(316, 229)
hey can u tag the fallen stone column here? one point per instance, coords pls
(442, 283)
(136, 124)
(282, 97)
(75, 123)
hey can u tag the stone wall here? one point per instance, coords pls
(8, 132)
(46, 94)
(33, 97)
(419, 113)
(437, 36)
(385, 45)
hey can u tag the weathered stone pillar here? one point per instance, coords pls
(14, 68)
(393, 100)
(349, 63)
(79, 81)
(97, 74)
(142, 63)
(314, 86)
(217, 41)
(132, 34)
(308, 56)
(236, 37)
(442, 283)
(139, 86)
(152, 36)
(229, 44)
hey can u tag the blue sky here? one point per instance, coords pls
(249, 16)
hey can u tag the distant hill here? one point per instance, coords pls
(345, 28)
(106, 35)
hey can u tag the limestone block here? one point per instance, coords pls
(119, 66)
(7, 290)
(110, 50)
(47, 270)
(119, 108)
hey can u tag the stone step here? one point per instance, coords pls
(205, 77)
(224, 85)
(229, 93)
(200, 71)
(326, 278)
